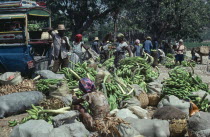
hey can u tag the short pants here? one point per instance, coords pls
(179, 57)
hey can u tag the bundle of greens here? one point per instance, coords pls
(182, 83)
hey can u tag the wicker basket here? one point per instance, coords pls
(154, 99)
(178, 128)
(143, 98)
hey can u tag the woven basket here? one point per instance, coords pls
(143, 98)
(178, 128)
(154, 99)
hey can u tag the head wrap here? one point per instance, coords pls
(86, 85)
(137, 41)
(78, 37)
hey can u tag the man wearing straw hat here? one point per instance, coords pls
(61, 48)
(95, 45)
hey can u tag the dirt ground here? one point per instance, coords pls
(5, 130)
(200, 69)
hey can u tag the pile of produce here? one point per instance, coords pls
(25, 85)
(80, 71)
(169, 61)
(43, 85)
(37, 113)
(182, 83)
(136, 70)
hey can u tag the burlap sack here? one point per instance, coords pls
(204, 49)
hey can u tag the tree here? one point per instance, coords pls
(82, 14)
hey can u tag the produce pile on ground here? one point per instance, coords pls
(182, 83)
(25, 85)
(117, 85)
(170, 62)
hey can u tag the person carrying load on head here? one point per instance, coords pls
(138, 48)
(121, 49)
(60, 48)
(98, 103)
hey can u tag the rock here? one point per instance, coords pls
(76, 129)
(131, 102)
(201, 93)
(154, 87)
(66, 118)
(175, 102)
(32, 128)
(127, 130)
(124, 113)
(150, 128)
(140, 112)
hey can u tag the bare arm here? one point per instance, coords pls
(129, 51)
(86, 47)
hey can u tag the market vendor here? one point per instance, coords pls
(98, 103)
(121, 49)
(60, 48)
(78, 44)
(180, 52)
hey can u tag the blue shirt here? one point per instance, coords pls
(138, 49)
(148, 46)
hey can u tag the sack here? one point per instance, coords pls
(11, 78)
(93, 54)
(204, 50)
(17, 103)
(47, 74)
(59, 90)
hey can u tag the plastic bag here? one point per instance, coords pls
(11, 78)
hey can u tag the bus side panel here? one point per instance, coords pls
(16, 58)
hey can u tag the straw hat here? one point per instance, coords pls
(149, 38)
(96, 38)
(61, 27)
(120, 35)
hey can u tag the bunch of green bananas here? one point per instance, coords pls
(43, 84)
(188, 63)
(109, 63)
(136, 70)
(33, 114)
(182, 83)
(80, 71)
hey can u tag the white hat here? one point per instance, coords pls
(181, 40)
(96, 38)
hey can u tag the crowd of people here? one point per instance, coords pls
(63, 52)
